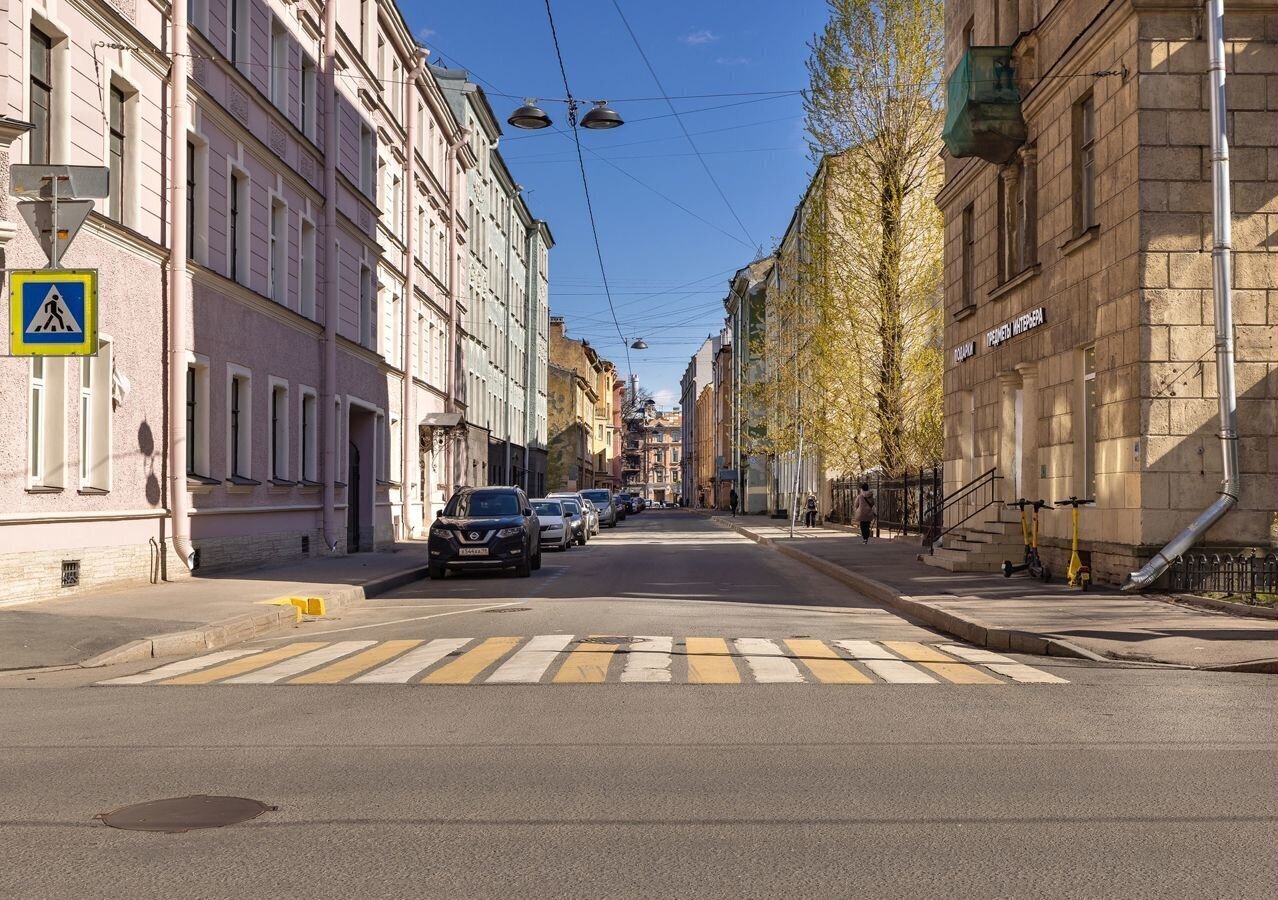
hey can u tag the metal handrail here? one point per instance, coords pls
(984, 480)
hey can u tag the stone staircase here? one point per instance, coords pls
(980, 547)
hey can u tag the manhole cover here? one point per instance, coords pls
(511, 609)
(178, 814)
(604, 640)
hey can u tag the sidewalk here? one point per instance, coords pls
(193, 614)
(1023, 615)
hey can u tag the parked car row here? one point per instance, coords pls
(501, 528)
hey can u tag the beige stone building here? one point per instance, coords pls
(1078, 269)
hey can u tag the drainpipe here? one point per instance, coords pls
(452, 157)
(410, 441)
(331, 262)
(179, 290)
(1223, 301)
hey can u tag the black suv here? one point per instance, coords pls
(486, 528)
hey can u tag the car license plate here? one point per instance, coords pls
(474, 551)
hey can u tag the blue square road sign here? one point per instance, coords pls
(53, 312)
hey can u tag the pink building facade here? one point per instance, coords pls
(281, 266)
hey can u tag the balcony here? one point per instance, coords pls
(983, 107)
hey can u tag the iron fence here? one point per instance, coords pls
(1248, 573)
(910, 503)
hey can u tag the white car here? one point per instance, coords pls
(589, 511)
(555, 531)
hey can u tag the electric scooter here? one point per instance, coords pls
(1080, 576)
(1033, 564)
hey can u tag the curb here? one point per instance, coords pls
(247, 626)
(971, 630)
(1261, 666)
(1239, 610)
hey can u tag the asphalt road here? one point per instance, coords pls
(1121, 782)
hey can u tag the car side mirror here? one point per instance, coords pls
(527, 513)
(439, 514)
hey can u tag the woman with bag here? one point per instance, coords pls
(863, 510)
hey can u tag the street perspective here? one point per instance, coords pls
(639, 450)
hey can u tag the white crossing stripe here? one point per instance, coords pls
(400, 670)
(181, 667)
(299, 664)
(1002, 665)
(768, 663)
(531, 661)
(648, 660)
(883, 663)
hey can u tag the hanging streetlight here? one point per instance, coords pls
(530, 116)
(638, 344)
(602, 116)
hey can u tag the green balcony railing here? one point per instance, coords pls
(983, 106)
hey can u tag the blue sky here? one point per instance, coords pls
(667, 268)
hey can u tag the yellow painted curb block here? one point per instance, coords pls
(310, 606)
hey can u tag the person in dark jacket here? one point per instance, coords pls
(810, 512)
(733, 500)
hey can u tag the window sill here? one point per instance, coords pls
(200, 484)
(281, 485)
(309, 487)
(93, 492)
(238, 484)
(964, 312)
(44, 489)
(1014, 282)
(1085, 238)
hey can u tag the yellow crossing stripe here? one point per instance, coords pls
(355, 665)
(826, 665)
(710, 662)
(466, 667)
(588, 664)
(246, 664)
(936, 661)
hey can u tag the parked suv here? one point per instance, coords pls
(602, 499)
(486, 528)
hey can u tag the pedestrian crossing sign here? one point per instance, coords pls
(53, 312)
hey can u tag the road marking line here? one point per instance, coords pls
(767, 663)
(181, 667)
(246, 664)
(935, 661)
(466, 667)
(299, 664)
(531, 661)
(353, 665)
(412, 662)
(1003, 665)
(826, 665)
(649, 660)
(709, 662)
(886, 665)
(588, 664)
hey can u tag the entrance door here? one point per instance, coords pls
(353, 495)
(1019, 432)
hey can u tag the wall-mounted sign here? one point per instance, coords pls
(1019, 325)
(964, 351)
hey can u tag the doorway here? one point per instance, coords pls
(353, 495)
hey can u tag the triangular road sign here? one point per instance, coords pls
(38, 214)
(53, 317)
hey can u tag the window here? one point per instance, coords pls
(307, 274)
(1084, 164)
(279, 65)
(190, 200)
(197, 418)
(367, 308)
(306, 111)
(238, 31)
(1089, 422)
(115, 154)
(95, 418)
(41, 97)
(308, 432)
(198, 14)
(45, 422)
(367, 160)
(968, 241)
(397, 218)
(238, 227)
(239, 408)
(279, 252)
(279, 431)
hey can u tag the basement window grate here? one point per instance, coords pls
(70, 572)
(306, 543)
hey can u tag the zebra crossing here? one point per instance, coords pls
(553, 659)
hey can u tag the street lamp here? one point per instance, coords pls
(532, 117)
(602, 117)
(638, 344)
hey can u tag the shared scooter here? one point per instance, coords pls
(1029, 529)
(1080, 576)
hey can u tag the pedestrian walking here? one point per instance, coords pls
(810, 512)
(701, 500)
(733, 500)
(863, 510)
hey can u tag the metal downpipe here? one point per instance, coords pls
(1223, 302)
(410, 439)
(328, 394)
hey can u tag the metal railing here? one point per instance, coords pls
(1248, 574)
(967, 502)
(908, 504)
